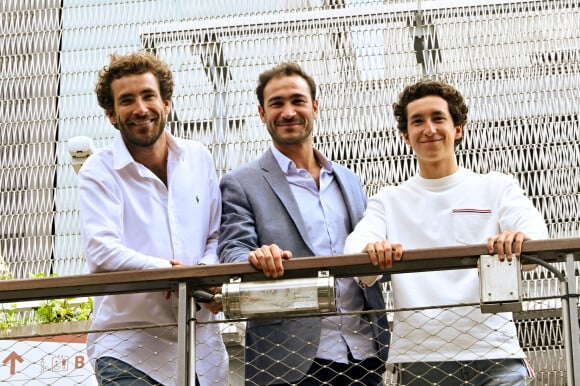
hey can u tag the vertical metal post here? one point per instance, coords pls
(192, 339)
(185, 337)
(570, 329)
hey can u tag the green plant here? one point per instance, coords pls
(49, 311)
(9, 318)
(61, 310)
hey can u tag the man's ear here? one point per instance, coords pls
(112, 118)
(458, 131)
(406, 138)
(262, 113)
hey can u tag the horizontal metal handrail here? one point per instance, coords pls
(551, 250)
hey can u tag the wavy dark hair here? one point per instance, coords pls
(139, 62)
(426, 87)
(283, 69)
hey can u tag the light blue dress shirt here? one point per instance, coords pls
(325, 216)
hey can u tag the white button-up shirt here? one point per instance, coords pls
(131, 220)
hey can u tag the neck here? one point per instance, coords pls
(304, 158)
(302, 154)
(153, 157)
(437, 170)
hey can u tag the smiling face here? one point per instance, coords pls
(139, 113)
(289, 111)
(431, 134)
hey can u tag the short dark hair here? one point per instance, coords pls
(426, 87)
(139, 62)
(283, 69)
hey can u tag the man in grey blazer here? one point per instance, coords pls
(289, 203)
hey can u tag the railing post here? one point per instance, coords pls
(570, 328)
(185, 336)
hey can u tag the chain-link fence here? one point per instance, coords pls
(38, 355)
(47, 359)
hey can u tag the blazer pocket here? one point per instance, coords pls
(469, 225)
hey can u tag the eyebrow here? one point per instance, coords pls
(145, 91)
(293, 96)
(436, 112)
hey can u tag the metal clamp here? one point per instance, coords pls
(500, 284)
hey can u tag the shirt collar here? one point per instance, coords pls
(288, 166)
(122, 157)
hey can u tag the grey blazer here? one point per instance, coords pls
(258, 208)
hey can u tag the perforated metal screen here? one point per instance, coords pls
(517, 62)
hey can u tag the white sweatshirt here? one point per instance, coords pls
(462, 209)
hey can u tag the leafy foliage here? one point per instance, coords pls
(49, 311)
(62, 310)
(9, 318)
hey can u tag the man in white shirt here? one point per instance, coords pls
(147, 201)
(446, 205)
(294, 202)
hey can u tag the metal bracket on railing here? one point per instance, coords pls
(500, 284)
(279, 297)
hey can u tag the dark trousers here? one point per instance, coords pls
(368, 372)
(114, 372)
(498, 372)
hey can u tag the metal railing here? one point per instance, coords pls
(185, 280)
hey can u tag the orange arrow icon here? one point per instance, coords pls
(12, 358)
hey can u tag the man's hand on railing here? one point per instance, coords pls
(503, 243)
(268, 259)
(383, 253)
(174, 263)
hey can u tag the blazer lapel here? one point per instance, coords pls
(349, 187)
(277, 181)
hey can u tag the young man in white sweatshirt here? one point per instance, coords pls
(446, 205)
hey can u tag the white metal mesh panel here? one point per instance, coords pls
(516, 62)
(29, 81)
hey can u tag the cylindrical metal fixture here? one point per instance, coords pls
(279, 297)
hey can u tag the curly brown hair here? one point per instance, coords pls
(283, 69)
(139, 62)
(426, 87)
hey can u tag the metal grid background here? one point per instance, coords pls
(517, 63)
